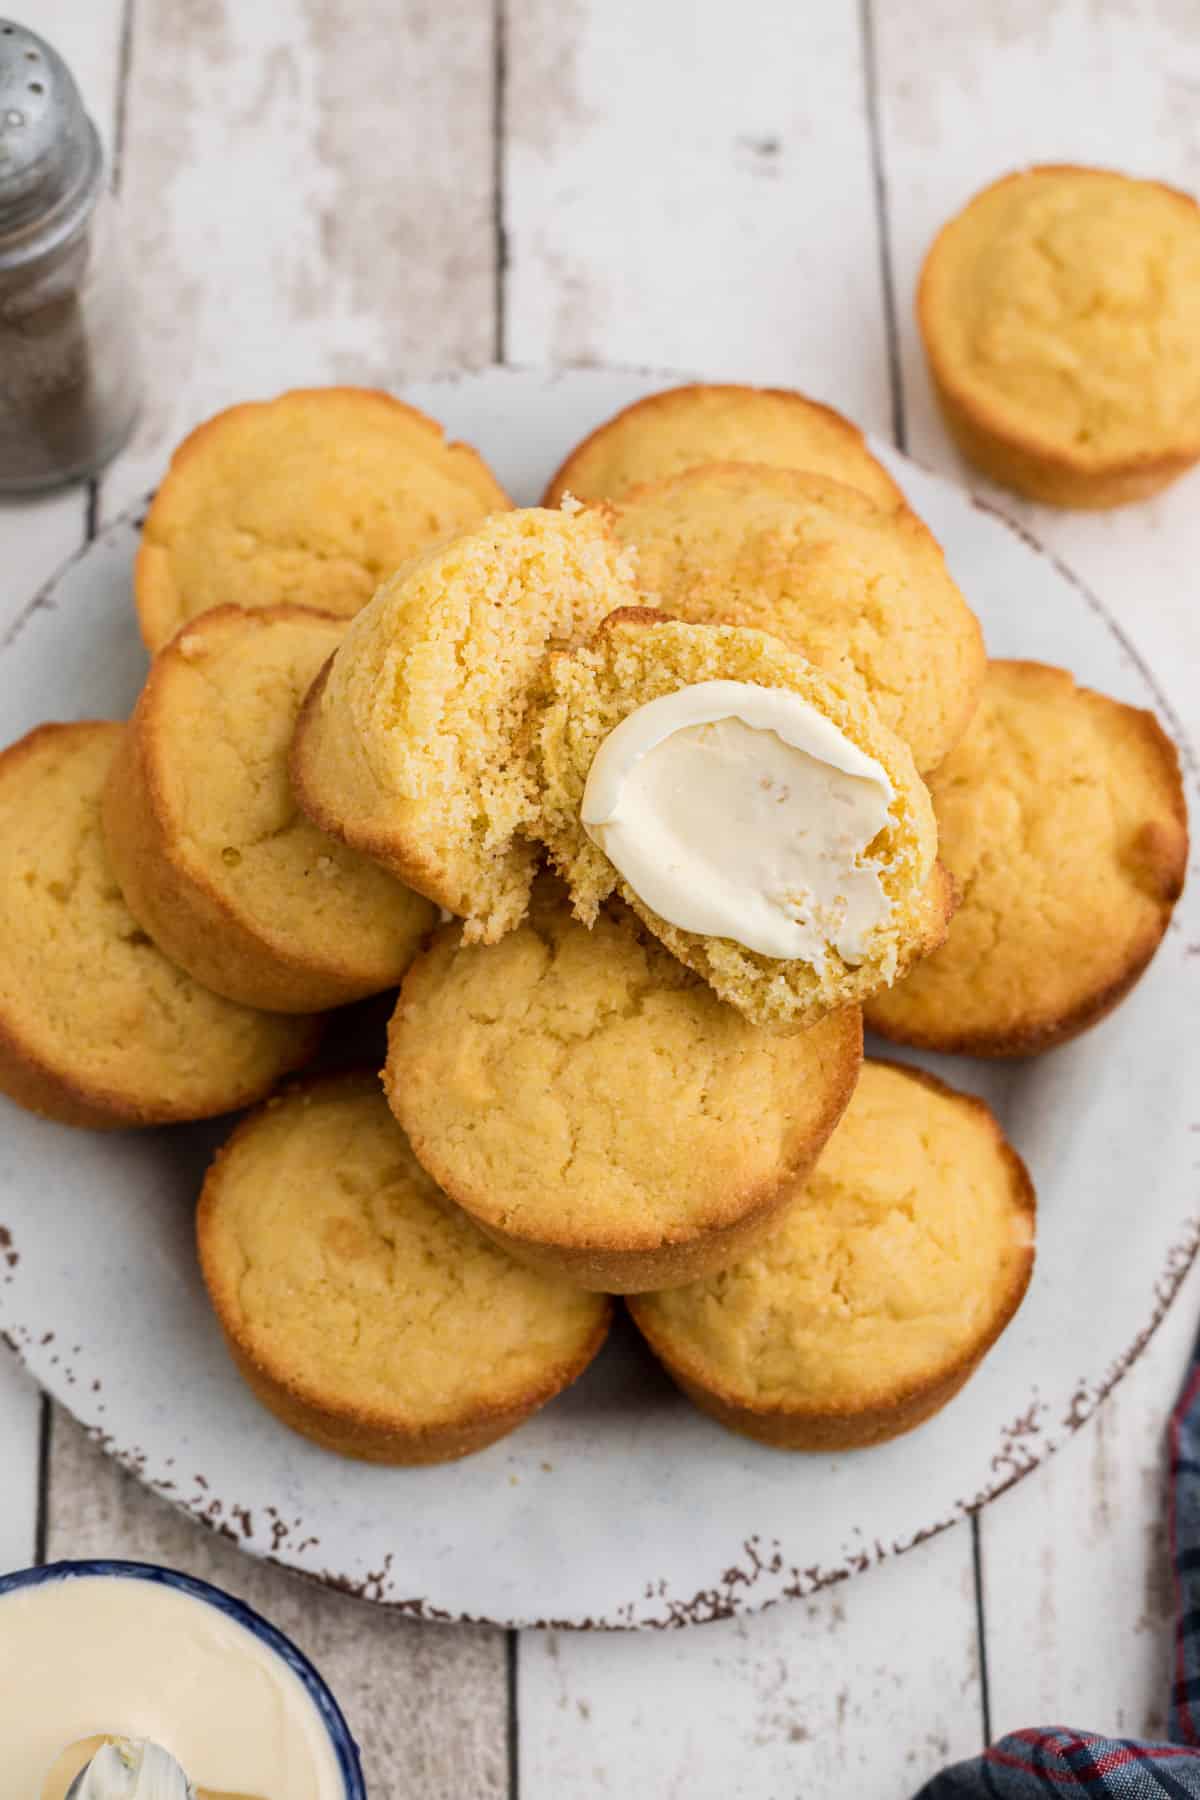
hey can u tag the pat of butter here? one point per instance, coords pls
(738, 811)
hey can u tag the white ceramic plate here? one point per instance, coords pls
(619, 1505)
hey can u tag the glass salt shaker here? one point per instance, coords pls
(69, 385)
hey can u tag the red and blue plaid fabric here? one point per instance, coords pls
(1027, 1765)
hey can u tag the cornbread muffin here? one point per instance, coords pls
(857, 590)
(408, 744)
(684, 426)
(311, 498)
(1060, 311)
(214, 857)
(360, 1307)
(637, 656)
(1062, 816)
(596, 1109)
(96, 1026)
(888, 1281)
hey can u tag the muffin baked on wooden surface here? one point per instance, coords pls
(635, 659)
(311, 498)
(96, 1026)
(363, 1309)
(214, 857)
(856, 589)
(596, 1109)
(885, 1285)
(1060, 311)
(1061, 815)
(704, 423)
(408, 744)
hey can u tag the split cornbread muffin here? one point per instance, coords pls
(1060, 312)
(311, 499)
(97, 1027)
(860, 590)
(409, 744)
(704, 423)
(751, 809)
(1061, 816)
(360, 1307)
(213, 854)
(596, 1109)
(883, 1288)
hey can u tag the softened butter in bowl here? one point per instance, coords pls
(126, 1648)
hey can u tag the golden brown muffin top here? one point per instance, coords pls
(1061, 816)
(701, 423)
(582, 1087)
(338, 1267)
(908, 1251)
(1062, 306)
(860, 591)
(311, 498)
(81, 985)
(214, 727)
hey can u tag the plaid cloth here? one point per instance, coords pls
(1053, 1759)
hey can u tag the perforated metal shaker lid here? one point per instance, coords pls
(50, 158)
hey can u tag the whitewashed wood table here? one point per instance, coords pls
(315, 192)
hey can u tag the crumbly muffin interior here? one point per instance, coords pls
(637, 657)
(428, 694)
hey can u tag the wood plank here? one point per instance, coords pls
(424, 1702)
(20, 1419)
(1081, 1636)
(668, 202)
(687, 191)
(1085, 1637)
(868, 1688)
(360, 245)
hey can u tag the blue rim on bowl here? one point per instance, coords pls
(340, 1736)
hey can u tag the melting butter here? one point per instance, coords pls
(739, 811)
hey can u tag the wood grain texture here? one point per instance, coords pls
(866, 1688)
(424, 1703)
(307, 195)
(1076, 1601)
(20, 1418)
(968, 95)
(1076, 1562)
(688, 188)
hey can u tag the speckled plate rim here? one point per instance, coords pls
(753, 1568)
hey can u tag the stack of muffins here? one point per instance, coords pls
(377, 696)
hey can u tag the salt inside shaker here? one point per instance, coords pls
(68, 366)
